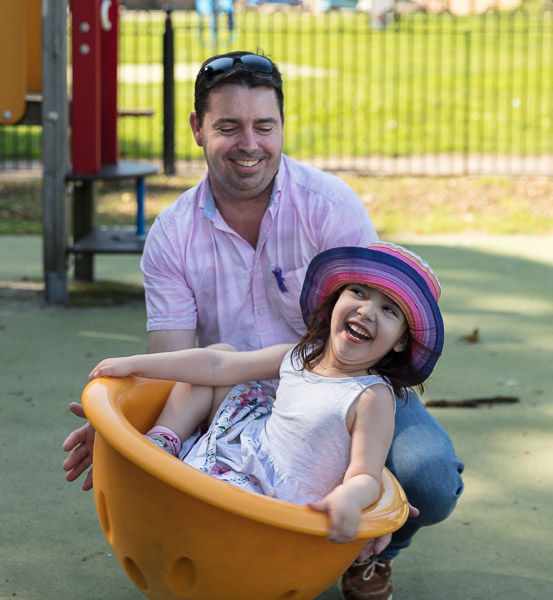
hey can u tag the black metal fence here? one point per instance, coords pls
(430, 93)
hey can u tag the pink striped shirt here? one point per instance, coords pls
(200, 274)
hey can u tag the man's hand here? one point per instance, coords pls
(377, 545)
(374, 546)
(80, 443)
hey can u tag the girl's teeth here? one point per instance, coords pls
(358, 332)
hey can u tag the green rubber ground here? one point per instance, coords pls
(497, 545)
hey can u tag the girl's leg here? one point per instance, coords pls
(183, 413)
(186, 408)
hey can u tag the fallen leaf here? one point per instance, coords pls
(471, 338)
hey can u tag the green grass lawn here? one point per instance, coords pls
(399, 205)
(429, 84)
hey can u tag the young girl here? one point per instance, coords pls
(373, 329)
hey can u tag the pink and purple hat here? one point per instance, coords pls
(396, 272)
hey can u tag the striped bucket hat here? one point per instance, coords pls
(395, 271)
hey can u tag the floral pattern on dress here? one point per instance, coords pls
(233, 416)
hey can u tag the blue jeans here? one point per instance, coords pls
(423, 460)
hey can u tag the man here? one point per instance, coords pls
(226, 261)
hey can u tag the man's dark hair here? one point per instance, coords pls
(238, 74)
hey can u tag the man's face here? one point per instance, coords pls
(242, 139)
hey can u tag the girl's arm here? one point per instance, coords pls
(198, 366)
(371, 437)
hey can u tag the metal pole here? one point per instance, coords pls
(54, 149)
(466, 140)
(168, 95)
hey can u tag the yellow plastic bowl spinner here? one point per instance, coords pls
(180, 533)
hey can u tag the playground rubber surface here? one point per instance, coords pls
(497, 545)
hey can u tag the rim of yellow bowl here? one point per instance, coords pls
(102, 402)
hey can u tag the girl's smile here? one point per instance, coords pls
(365, 325)
(357, 332)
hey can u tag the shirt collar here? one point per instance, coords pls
(208, 201)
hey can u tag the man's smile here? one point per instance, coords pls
(246, 163)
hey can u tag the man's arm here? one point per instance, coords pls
(80, 443)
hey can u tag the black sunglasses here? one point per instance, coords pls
(224, 64)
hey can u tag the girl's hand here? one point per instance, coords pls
(111, 367)
(344, 513)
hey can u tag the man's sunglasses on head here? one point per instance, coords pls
(224, 64)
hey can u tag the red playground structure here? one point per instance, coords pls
(35, 92)
(94, 144)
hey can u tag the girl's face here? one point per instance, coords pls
(365, 325)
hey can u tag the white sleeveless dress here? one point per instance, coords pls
(296, 449)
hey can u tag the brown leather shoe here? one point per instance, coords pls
(369, 580)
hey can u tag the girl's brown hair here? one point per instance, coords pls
(393, 367)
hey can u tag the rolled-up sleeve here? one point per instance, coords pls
(170, 303)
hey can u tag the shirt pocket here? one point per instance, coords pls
(287, 303)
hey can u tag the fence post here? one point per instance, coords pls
(54, 150)
(168, 95)
(466, 136)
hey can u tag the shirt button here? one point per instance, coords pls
(260, 311)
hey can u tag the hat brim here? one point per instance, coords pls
(401, 281)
